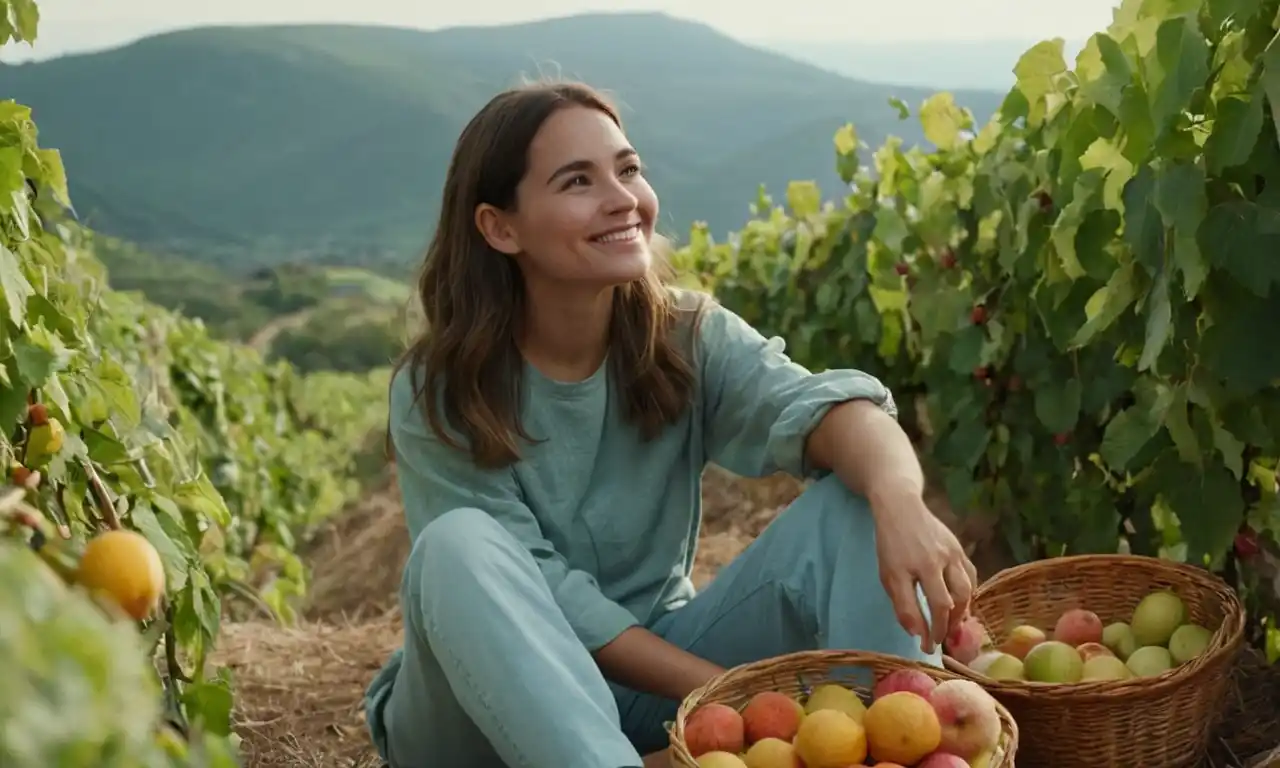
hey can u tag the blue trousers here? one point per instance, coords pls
(493, 675)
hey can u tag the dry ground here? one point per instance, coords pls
(299, 689)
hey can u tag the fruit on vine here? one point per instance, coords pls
(1062, 438)
(124, 567)
(24, 477)
(44, 441)
(37, 415)
(979, 315)
(948, 259)
(981, 372)
(901, 268)
(1046, 202)
(1246, 544)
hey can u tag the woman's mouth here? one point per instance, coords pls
(619, 236)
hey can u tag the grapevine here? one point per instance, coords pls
(150, 471)
(1078, 299)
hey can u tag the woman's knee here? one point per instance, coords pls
(461, 539)
(827, 509)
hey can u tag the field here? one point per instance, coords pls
(200, 541)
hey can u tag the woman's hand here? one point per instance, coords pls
(913, 547)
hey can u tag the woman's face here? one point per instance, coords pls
(584, 212)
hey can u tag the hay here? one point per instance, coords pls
(357, 561)
(299, 691)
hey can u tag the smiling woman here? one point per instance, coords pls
(550, 430)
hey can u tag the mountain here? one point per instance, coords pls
(939, 64)
(255, 145)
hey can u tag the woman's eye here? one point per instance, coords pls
(632, 170)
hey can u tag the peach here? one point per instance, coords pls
(771, 715)
(911, 680)
(943, 760)
(965, 642)
(714, 728)
(1077, 627)
(719, 759)
(1022, 639)
(772, 753)
(967, 713)
(1089, 650)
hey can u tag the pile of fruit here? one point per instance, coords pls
(912, 720)
(1158, 637)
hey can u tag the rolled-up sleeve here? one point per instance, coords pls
(435, 478)
(760, 405)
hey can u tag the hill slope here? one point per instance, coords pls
(265, 144)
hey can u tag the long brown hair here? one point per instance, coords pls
(472, 297)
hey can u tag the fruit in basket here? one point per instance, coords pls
(837, 697)
(1119, 638)
(1022, 639)
(1188, 641)
(983, 759)
(1089, 650)
(965, 642)
(772, 753)
(912, 680)
(829, 738)
(1006, 667)
(1156, 617)
(770, 714)
(968, 718)
(1077, 627)
(945, 760)
(712, 728)
(902, 727)
(1150, 660)
(1106, 667)
(1053, 661)
(720, 759)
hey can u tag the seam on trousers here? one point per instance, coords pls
(480, 694)
(798, 597)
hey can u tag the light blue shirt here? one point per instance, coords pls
(612, 520)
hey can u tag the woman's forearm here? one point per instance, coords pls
(645, 662)
(868, 450)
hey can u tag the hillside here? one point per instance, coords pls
(248, 146)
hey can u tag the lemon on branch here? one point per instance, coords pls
(44, 441)
(125, 567)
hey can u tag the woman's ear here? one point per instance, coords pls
(496, 229)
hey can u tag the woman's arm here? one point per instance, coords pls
(645, 662)
(871, 454)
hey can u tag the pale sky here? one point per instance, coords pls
(85, 24)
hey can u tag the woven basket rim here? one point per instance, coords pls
(770, 668)
(1222, 649)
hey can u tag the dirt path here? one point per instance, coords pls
(262, 338)
(299, 689)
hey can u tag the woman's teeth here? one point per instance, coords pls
(617, 237)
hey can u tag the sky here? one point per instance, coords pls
(74, 25)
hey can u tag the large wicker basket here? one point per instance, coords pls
(797, 673)
(1163, 721)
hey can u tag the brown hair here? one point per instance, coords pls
(472, 297)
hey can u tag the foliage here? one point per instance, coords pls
(343, 336)
(1081, 298)
(117, 413)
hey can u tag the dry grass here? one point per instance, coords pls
(299, 690)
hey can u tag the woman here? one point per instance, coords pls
(550, 432)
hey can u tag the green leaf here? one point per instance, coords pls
(1236, 127)
(1129, 431)
(804, 198)
(943, 120)
(1207, 502)
(143, 517)
(1037, 68)
(1271, 79)
(1103, 72)
(201, 497)
(1057, 404)
(1143, 230)
(1175, 69)
(1159, 322)
(1107, 304)
(1180, 431)
(14, 288)
(1243, 238)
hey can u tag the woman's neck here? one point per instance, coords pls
(566, 336)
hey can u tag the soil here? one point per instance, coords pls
(299, 689)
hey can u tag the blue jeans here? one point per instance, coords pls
(493, 675)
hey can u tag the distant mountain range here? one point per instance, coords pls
(255, 145)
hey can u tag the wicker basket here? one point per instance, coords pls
(797, 673)
(1161, 721)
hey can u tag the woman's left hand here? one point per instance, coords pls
(915, 547)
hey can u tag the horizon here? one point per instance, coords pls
(67, 30)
